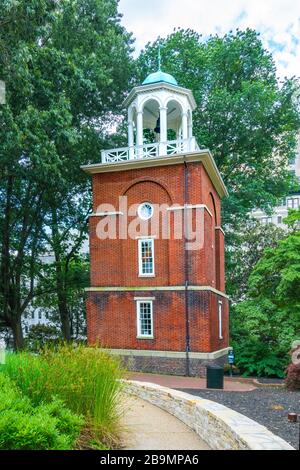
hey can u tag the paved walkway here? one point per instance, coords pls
(173, 381)
(147, 427)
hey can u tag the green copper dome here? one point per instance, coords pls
(160, 76)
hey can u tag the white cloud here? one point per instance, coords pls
(278, 21)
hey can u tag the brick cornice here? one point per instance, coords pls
(200, 156)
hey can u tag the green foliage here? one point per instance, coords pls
(268, 321)
(260, 359)
(244, 115)
(66, 66)
(292, 220)
(85, 379)
(43, 427)
(74, 275)
(247, 245)
(39, 335)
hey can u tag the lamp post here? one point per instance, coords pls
(231, 360)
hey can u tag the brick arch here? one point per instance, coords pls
(138, 191)
(214, 209)
(145, 180)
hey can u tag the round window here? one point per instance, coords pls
(145, 211)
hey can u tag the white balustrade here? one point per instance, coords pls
(138, 152)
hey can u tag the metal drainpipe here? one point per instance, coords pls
(186, 270)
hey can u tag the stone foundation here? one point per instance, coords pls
(170, 363)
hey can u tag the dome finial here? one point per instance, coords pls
(159, 76)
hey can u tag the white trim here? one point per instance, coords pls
(138, 320)
(155, 288)
(198, 156)
(169, 354)
(190, 206)
(141, 274)
(144, 298)
(145, 89)
(220, 228)
(101, 214)
(144, 237)
(220, 316)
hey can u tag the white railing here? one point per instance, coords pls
(156, 149)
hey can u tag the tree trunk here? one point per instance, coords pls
(17, 331)
(60, 279)
(65, 321)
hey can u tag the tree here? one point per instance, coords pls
(270, 316)
(246, 248)
(244, 115)
(73, 277)
(66, 66)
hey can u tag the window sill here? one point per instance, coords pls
(145, 337)
(146, 275)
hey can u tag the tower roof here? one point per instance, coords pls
(159, 76)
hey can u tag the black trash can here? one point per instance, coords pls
(214, 376)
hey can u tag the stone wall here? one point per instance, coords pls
(220, 427)
(169, 365)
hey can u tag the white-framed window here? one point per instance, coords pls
(220, 314)
(146, 257)
(293, 203)
(266, 220)
(144, 310)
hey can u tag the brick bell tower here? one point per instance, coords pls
(157, 295)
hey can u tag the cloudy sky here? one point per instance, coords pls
(278, 21)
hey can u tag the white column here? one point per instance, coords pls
(184, 130)
(163, 131)
(130, 140)
(191, 144)
(139, 132)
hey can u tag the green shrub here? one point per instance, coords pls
(41, 335)
(43, 427)
(85, 379)
(253, 357)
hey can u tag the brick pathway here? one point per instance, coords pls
(173, 381)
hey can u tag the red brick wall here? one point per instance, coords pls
(115, 262)
(111, 316)
(220, 260)
(112, 320)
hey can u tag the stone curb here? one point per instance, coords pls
(220, 427)
(268, 385)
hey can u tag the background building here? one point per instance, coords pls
(292, 201)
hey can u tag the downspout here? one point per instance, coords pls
(186, 271)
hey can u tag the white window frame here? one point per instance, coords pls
(293, 203)
(220, 315)
(138, 319)
(140, 241)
